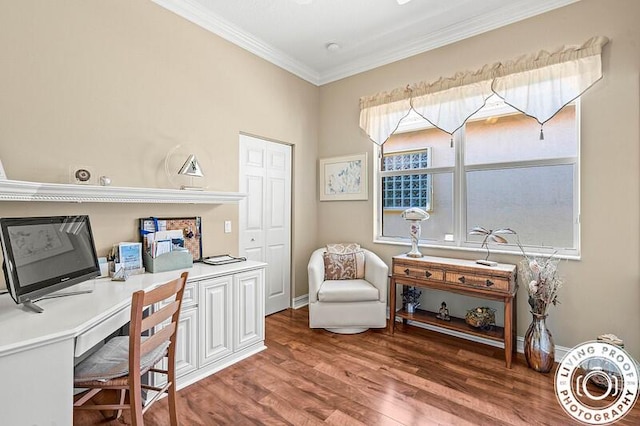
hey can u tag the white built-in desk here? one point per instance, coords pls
(222, 322)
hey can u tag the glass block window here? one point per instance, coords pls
(403, 190)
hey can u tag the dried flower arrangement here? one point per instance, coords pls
(540, 275)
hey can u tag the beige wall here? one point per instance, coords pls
(602, 291)
(115, 85)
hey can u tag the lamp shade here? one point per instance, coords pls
(191, 167)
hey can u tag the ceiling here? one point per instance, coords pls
(294, 34)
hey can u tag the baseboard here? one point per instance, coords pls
(561, 351)
(300, 301)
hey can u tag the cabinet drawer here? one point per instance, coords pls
(488, 282)
(419, 273)
(189, 298)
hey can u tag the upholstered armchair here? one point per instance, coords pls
(348, 306)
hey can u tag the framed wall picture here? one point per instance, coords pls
(344, 178)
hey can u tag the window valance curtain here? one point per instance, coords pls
(538, 85)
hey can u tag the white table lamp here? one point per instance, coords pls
(414, 216)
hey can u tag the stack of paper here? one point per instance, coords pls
(162, 242)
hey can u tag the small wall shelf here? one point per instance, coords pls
(15, 190)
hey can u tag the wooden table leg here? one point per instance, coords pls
(514, 325)
(392, 305)
(508, 330)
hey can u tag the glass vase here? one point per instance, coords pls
(539, 349)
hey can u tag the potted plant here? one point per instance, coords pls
(411, 298)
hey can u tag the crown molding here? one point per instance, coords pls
(514, 12)
(196, 14)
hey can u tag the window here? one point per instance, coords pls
(498, 174)
(402, 190)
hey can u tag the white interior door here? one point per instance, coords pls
(265, 215)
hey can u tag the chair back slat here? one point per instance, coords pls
(160, 315)
(162, 292)
(164, 334)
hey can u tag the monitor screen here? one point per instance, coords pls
(46, 254)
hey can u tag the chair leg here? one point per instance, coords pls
(135, 406)
(173, 412)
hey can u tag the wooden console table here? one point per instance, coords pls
(463, 277)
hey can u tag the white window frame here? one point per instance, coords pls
(460, 225)
(409, 172)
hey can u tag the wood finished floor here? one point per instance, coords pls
(416, 377)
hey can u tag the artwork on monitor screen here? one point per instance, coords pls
(37, 242)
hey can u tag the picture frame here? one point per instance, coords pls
(3, 175)
(130, 256)
(344, 178)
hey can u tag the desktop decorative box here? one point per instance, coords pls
(168, 261)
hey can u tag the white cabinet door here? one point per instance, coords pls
(249, 308)
(215, 319)
(187, 347)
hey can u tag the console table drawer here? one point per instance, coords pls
(488, 282)
(418, 272)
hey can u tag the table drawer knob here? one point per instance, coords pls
(427, 274)
(461, 279)
(406, 271)
(489, 283)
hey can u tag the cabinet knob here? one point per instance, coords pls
(427, 274)
(406, 271)
(253, 239)
(461, 279)
(489, 283)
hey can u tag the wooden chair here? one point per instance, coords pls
(121, 362)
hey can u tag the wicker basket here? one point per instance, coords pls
(481, 317)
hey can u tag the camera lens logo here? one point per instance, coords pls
(596, 383)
